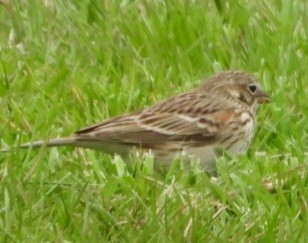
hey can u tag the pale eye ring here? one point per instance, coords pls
(252, 88)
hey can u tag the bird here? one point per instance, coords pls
(219, 114)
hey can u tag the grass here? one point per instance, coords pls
(73, 63)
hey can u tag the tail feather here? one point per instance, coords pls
(76, 141)
(54, 142)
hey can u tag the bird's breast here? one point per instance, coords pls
(238, 136)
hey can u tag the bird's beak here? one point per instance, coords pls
(263, 97)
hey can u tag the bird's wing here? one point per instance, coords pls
(191, 117)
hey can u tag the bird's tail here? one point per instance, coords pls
(105, 146)
(54, 142)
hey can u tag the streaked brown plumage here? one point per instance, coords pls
(220, 113)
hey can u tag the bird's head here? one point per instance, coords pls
(237, 86)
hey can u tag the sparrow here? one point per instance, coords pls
(220, 114)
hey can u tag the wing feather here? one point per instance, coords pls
(166, 122)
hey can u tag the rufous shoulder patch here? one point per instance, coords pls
(224, 116)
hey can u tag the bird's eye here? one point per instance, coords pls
(252, 88)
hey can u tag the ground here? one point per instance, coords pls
(67, 64)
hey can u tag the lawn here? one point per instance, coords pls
(68, 64)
